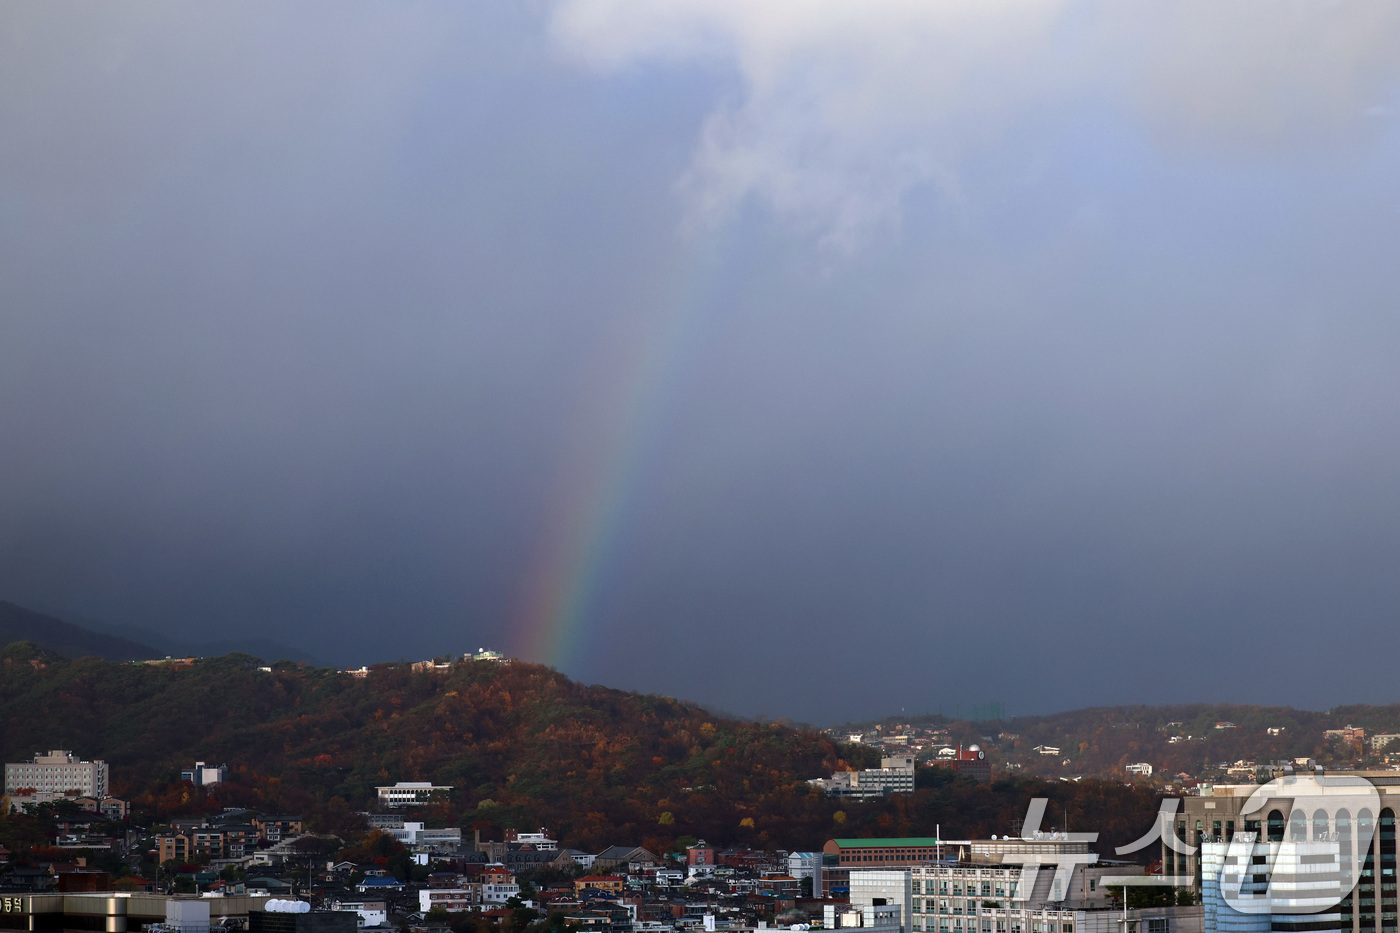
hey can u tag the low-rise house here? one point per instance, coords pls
(497, 874)
(112, 808)
(373, 913)
(624, 857)
(567, 858)
(381, 885)
(607, 884)
(272, 887)
(452, 900)
(498, 893)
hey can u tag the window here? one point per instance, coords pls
(1156, 925)
(1298, 826)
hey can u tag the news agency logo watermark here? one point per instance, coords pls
(1315, 832)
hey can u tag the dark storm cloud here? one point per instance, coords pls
(1004, 387)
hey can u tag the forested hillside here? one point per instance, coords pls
(522, 746)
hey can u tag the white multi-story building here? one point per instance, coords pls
(540, 841)
(1380, 741)
(1281, 886)
(805, 865)
(54, 775)
(894, 776)
(202, 774)
(883, 888)
(499, 892)
(967, 897)
(411, 793)
(868, 919)
(372, 913)
(1218, 866)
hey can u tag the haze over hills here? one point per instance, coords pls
(54, 634)
(75, 636)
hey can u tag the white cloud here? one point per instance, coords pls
(844, 107)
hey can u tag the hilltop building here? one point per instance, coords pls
(971, 761)
(894, 776)
(411, 793)
(202, 775)
(53, 776)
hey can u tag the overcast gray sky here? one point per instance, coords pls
(800, 358)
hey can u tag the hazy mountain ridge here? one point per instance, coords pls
(54, 634)
(93, 637)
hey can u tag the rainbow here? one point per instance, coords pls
(604, 461)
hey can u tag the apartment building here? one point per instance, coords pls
(277, 828)
(894, 776)
(56, 774)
